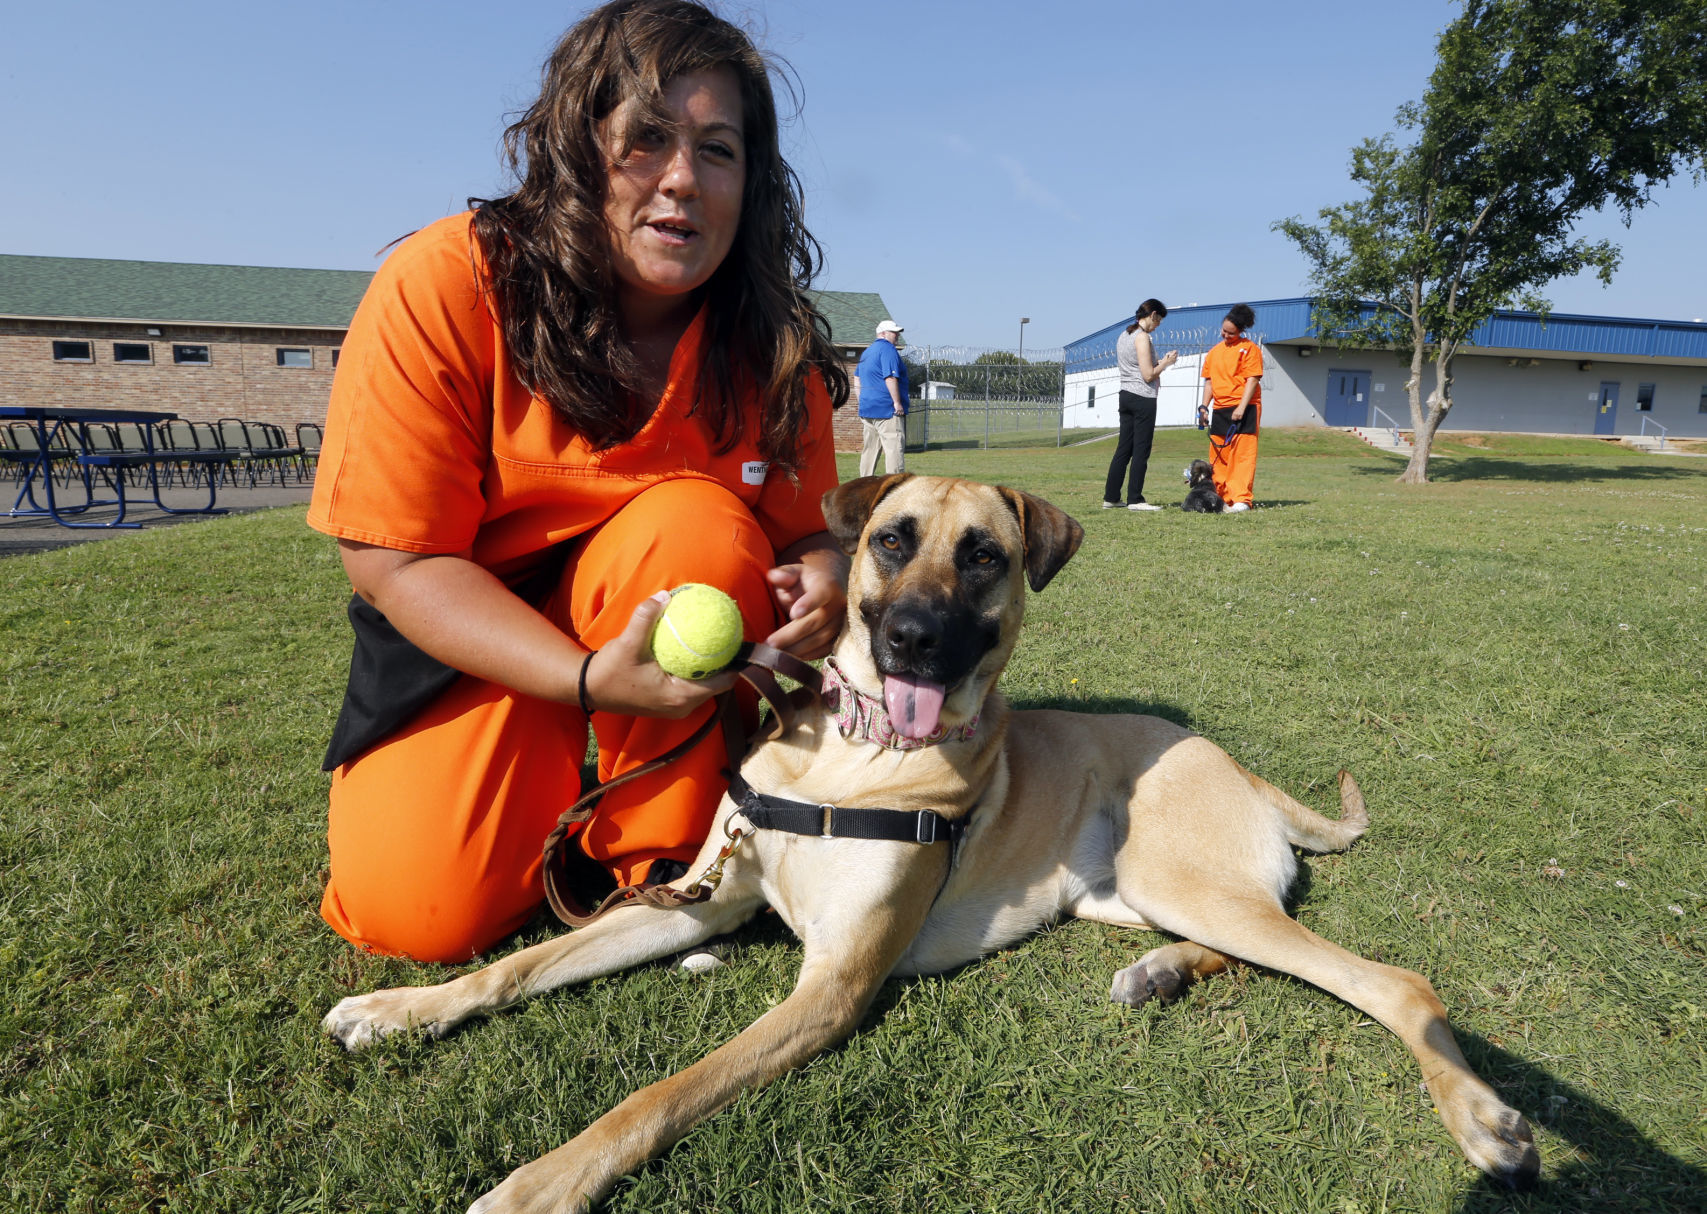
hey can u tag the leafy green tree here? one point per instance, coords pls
(1538, 111)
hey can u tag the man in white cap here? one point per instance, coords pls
(882, 401)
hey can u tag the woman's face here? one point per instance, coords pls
(1230, 333)
(672, 209)
(1149, 323)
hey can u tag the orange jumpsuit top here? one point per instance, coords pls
(434, 445)
(1228, 367)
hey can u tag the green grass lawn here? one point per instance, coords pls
(1511, 660)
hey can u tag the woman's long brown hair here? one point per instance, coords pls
(547, 252)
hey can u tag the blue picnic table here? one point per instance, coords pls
(59, 437)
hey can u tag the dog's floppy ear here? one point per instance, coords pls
(1051, 535)
(848, 506)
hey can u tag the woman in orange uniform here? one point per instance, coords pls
(1232, 407)
(548, 410)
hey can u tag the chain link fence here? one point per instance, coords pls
(984, 396)
(995, 396)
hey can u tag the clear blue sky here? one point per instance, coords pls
(972, 162)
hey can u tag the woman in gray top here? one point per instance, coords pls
(1140, 375)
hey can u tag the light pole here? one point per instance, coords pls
(1023, 322)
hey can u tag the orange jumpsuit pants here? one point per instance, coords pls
(1234, 465)
(436, 832)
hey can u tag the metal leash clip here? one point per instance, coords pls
(712, 877)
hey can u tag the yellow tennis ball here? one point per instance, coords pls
(698, 633)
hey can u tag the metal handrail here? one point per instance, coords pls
(1378, 411)
(1646, 422)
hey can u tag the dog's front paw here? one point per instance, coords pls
(1493, 1136)
(361, 1020)
(549, 1185)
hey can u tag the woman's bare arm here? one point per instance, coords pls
(459, 613)
(1148, 365)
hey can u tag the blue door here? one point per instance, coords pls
(1606, 413)
(1348, 398)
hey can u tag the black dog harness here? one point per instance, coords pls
(763, 811)
(834, 822)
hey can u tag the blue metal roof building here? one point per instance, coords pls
(1195, 329)
(1563, 374)
(1610, 337)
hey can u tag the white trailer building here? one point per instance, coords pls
(1567, 374)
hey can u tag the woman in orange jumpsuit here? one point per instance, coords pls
(548, 410)
(1232, 408)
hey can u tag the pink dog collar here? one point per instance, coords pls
(859, 716)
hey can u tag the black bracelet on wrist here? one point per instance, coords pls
(581, 690)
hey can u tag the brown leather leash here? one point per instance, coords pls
(759, 661)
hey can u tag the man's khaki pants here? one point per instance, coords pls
(885, 434)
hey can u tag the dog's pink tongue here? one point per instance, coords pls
(915, 705)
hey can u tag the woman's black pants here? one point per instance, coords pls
(1132, 453)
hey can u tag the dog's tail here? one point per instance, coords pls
(1310, 830)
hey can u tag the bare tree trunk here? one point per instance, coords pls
(1439, 404)
(1416, 473)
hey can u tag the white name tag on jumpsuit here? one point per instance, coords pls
(753, 472)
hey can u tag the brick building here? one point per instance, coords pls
(206, 342)
(202, 341)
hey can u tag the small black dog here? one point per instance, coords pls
(1202, 499)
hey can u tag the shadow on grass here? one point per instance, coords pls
(1107, 705)
(1456, 469)
(1621, 1171)
(1617, 1169)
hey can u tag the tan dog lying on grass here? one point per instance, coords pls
(1128, 820)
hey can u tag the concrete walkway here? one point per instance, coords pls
(21, 536)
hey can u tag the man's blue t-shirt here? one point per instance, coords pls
(880, 361)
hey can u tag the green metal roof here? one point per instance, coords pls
(170, 292)
(853, 315)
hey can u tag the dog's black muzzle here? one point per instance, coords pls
(930, 641)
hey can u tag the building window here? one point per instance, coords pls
(336, 350)
(73, 352)
(192, 356)
(1702, 407)
(294, 358)
(1644, 398)
(132, 352)
(1090, 400)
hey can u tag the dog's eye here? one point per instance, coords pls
(889, 540)
(982, 556)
